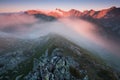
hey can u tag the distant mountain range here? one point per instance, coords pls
(104, 13)
(109, 18)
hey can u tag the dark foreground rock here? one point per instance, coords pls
(56, 67)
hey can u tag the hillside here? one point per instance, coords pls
(52, 44)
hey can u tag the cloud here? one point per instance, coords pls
(82, 33)
(12, 22)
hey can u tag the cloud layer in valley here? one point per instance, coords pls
(81, 32)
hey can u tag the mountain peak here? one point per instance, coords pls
(113, 7)
(74, 10)
(59, 9)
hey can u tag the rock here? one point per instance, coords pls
(56, 67)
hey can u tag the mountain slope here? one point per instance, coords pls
(95, 67)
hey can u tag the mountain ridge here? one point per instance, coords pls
(58, 13)
(106, 19)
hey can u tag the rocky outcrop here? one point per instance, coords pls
(56, 67)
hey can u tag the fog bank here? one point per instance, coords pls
(82, 33)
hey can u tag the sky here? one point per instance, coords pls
(22, 5)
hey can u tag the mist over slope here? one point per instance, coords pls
(82, 33)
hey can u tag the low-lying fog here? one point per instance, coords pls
(83, 33)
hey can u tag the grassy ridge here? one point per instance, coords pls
(86, 60)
